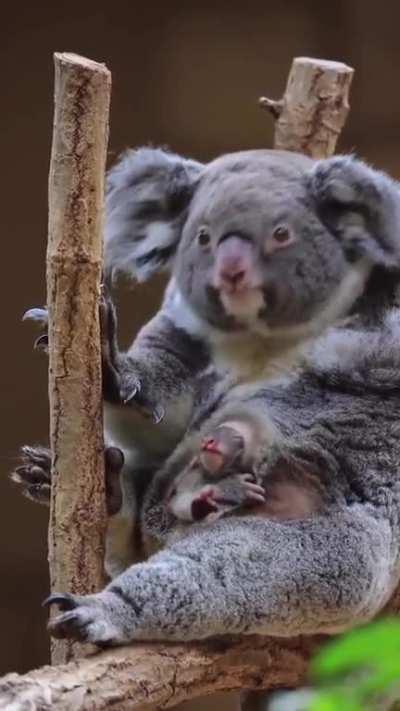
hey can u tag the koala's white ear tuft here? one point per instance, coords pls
(360, 206)
(147, 195)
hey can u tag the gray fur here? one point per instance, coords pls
(322, 573)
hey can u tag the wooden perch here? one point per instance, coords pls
(143, 676)
(314, 108)
(159, 676)
(74, 267)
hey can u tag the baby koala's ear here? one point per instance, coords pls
(147, 196)
(360, 206)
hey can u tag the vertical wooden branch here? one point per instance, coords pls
(314, 108)
(74, 265)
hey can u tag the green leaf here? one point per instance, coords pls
(371, 646)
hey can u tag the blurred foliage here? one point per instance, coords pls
(357, 672)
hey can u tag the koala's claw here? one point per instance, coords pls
(65, 601)
(85, 618)
(134, 397)
(33, 475)
(37, 314)
(41, 317)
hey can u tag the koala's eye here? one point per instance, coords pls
(203, 237)
(282, 234)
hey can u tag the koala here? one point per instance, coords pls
(265, 249)
(323, 572)
(211, 485)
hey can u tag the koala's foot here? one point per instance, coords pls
(124, 380)
(41, 317)
(220, 449)
(232, 492)
(34, 474)
(88, 618)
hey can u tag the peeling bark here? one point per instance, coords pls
(157, 676)
(74, 266)
(314, 108)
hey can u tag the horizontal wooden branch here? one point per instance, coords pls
(150, 676)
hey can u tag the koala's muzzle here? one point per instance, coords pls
(235, 265)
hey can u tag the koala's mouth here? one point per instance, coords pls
(245, 303)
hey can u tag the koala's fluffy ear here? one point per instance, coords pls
(147, 195)
(361, 206)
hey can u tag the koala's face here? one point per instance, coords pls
(253, 252)
(257, 240)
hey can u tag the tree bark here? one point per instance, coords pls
(157, 676)
(74, 267)
(314, 108)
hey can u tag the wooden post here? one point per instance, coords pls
(314, 108)
(74, 267)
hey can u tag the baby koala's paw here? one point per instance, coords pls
(221, 449)
(229, 494)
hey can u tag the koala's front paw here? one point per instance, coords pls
(41, 317)
(124, 380)
(34, 474)
(87, 618)
(343, 180)
(136, 391)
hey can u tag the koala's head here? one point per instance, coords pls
(254, 240)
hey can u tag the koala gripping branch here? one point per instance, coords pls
(309, 120)
(74, 266)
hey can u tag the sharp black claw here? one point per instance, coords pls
(41, 343)
(36, 314)
(66, 601)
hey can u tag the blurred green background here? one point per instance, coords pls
(186, 75)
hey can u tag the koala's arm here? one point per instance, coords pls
(244, 576)
(162, 362)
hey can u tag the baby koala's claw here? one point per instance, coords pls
(253, 492)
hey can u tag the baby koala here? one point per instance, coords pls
(219, 479)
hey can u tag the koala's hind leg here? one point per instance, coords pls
(33, 476)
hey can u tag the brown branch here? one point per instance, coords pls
(74, 265)
(314, 108)
(158, 676)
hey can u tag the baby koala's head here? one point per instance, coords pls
(257, 241)
(215, 481)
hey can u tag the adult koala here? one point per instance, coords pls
(266, 248)
(318, 573)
